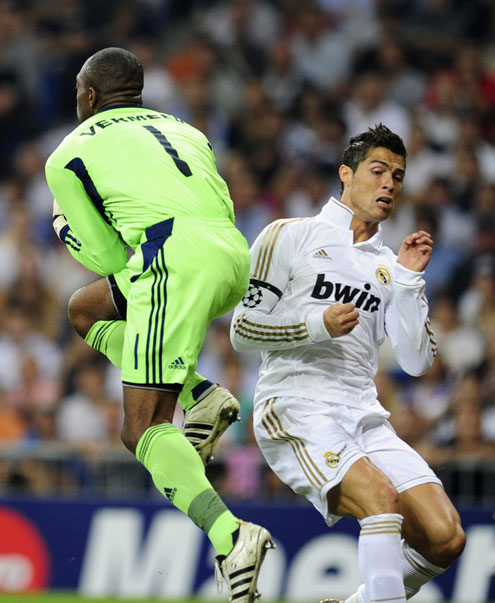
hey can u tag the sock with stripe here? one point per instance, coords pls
(107, 336)
(179, 474)
(416, 570)
(379, 553)
(194, 390)
(360, 596)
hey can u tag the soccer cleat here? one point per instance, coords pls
(240, 568)
(208, 419)
(331, 601)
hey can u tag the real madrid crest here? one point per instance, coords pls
(383, 275)
(332, 459)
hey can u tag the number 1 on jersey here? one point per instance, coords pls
(180, 163)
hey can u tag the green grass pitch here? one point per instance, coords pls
(71, 597)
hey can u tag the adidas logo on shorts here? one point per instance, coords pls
(177, 364)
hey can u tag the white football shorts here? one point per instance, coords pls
(310, 446)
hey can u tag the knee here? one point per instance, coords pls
(448, 545)
(129, 437)
(77, 312)
(132, 431)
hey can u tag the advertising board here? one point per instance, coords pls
(150, 549)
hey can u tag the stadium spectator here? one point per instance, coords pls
(464, 438)
(320, 49)
(281, 81)
(83, 417)
(252, 211)
(424, 164)
(42, 45)
(369, 105)
(446, 257)
(406, 83)
(19, 338)
(461, 346)
(160, 91)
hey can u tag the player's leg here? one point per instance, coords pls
(168, 313)
(368, 495)
(97, 313)
(433, 538)
(306, 445)
(179, 474)
(174, 465)
(433, 535)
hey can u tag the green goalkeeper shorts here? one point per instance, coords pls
(185, 273)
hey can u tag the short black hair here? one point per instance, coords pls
(114, 70)
(379, 136)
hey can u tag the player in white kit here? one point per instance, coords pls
(324, 293)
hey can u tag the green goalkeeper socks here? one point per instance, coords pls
(107, 336)
(179, 474)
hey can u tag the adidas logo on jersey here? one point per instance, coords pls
(321, 255)
(177, 364)
(170, 493)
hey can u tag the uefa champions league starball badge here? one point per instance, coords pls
(253, 297)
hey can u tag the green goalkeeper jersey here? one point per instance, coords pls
(125, 169)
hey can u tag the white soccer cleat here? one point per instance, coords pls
(242, 565)
(208, 419)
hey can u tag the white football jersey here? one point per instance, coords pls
(301, 266)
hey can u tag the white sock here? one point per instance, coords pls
(379, 553)
(360, 596)
(416, 571)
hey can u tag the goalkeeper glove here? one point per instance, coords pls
(59, 221)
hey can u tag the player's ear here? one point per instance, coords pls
(92, 96)
(345, 174)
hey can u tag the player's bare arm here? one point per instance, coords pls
(415, 251)
(340, 319)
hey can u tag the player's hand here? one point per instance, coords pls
(58, 220)
(415, 251)
(340, 319)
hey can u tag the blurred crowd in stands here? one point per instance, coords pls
(278, 86)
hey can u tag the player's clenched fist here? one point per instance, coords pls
(340, 319)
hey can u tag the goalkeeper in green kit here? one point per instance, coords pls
(132, 177)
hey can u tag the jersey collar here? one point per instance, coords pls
(340, 215)
(111, 107)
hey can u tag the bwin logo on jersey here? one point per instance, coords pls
(339, 292)
(253, 296)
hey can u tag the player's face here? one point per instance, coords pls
(373, 189)
(83, 99)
